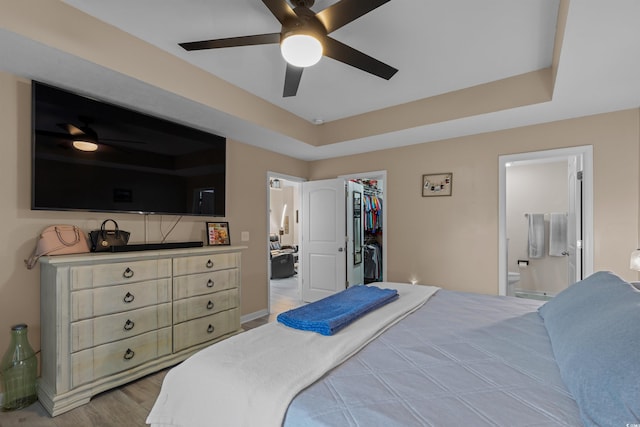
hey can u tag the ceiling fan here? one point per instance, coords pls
(84, 137)
(304, 38)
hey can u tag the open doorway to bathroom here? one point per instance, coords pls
(284, 260)
(546, 221)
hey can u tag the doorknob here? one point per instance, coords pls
(565, 253)
(340, 249)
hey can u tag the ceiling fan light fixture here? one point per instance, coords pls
(85, 145)
(301, 50)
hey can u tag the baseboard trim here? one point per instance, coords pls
(252, 316)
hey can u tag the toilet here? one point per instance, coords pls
(512, 279)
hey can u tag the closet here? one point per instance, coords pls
(372, 218)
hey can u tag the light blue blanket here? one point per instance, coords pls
(328, 315)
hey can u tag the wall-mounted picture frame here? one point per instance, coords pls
(437, 184)
(218, 234)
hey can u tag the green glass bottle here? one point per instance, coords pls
(18, 370)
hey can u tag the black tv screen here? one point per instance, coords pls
(141, 164)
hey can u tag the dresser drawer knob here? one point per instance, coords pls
(209, 264)
(128, 325)
(210, 283)
(209, 305)
(128, 273)
(210, 329)
(128, 355)
(128, 297)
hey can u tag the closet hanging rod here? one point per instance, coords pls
(545, 214)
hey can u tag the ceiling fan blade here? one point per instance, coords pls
(232, 42)
(280, 9)
(292, 80)
(346, 11)
(350, 56)
(59, 135)
(71, 129)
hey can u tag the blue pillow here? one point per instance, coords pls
(594, 326)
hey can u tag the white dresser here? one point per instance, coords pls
(110, 318)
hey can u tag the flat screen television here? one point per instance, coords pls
(140, 163)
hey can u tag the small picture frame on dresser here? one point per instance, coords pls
(218, 234)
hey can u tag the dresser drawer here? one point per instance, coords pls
(205, 283)
(91, 276)
(191, 308)
(108, 359)
(203, 263)
(114, 327)
(115, 299)
(200, 330)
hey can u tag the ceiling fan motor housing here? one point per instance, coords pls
(302, 3)
(305, 23)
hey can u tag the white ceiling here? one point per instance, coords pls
(437, 46)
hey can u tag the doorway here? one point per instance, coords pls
(284, 241)
(374, 216)
(328, 251)
(546, 221)
(286, 187)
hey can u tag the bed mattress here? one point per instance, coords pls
(461, 359)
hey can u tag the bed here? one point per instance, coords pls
(450, 358)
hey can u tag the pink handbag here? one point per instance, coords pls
(58, 240)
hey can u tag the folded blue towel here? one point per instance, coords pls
(328, 315)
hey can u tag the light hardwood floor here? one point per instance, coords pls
(127, 405)
(284, 295)
(130, 404)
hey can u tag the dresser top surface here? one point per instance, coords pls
(106, 257)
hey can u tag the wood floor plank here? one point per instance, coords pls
(118, 408)
(32, 416)
(144, 393)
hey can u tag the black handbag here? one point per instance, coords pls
(103, 239)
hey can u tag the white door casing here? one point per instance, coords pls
(574, 220)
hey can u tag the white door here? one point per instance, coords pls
(323, 238)
(574, 220)
(355, 234)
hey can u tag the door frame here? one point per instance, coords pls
(269, 176)
(382, 176)
(586, 151)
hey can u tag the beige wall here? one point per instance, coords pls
(247, 211)
(20, 289)
(453, 241)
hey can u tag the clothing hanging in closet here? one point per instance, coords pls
(373, 213)
(372, 263)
